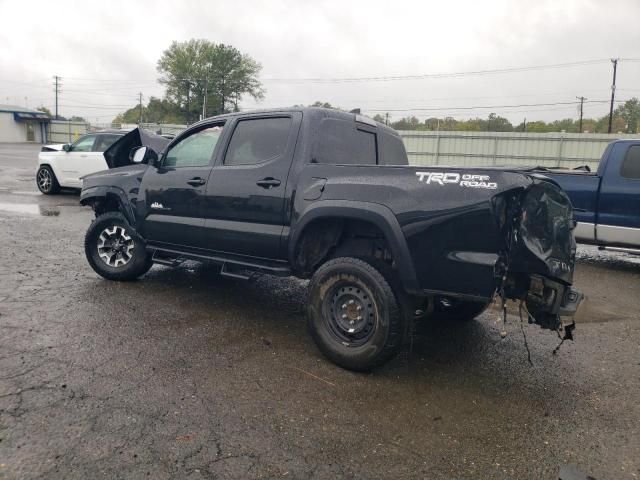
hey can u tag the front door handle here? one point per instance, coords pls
(268, 182)
(196, 181)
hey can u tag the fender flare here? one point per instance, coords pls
(375, 213)
(102, 192)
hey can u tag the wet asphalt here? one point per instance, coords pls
(184, 374)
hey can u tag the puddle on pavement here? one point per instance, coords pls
(26, 192)
(591, 255)
(30, 209)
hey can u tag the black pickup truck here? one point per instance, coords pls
(330, 196)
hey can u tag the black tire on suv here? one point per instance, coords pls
(354, 316)
(46, 180)
(114, 249)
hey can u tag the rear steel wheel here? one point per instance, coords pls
(351, 313)
(355, 317)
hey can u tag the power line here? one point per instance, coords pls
(439, 75)
(480, 107)
(103, 80)
(105, 107)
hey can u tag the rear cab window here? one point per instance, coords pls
(631, 164)
(392, 150)
(346, 142)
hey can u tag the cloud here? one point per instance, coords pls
(107, 52)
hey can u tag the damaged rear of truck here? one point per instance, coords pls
(464, 236)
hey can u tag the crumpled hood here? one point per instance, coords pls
(117, 155)
(53, 147)
(113, 177)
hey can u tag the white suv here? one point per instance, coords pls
(63, 165)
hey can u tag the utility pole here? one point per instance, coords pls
(140, 100)
(57, 85)
(386, 118)
(613, 91)
(204, 100)
(582, 99)
(524, 125)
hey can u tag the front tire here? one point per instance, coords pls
(114, 250)
(354, 316)
(46, 180)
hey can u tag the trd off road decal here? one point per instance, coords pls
(463, 180)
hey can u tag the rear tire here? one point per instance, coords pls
(354, 316)
(46, 180)
(114, 250)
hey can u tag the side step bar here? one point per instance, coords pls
(166, 260)
(226, 272)
(173, 258)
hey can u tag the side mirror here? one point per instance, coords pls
(143, 155)
(66, 147)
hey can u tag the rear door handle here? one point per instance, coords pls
(268, 182)
(196, 181)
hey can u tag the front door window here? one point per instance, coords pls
(83, 144)
(194, 151)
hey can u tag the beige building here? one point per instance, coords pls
(18, 124)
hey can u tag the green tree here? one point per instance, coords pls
(156, 111)
(45, 110)
(618, 124)
(379, 118)
(630, 113)
(190, 70)
(323, 105)
(408, 123)
(496, 123)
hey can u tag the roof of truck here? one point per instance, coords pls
(325, 112)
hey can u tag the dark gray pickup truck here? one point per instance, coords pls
(330, 196)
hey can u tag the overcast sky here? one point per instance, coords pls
(106, 52)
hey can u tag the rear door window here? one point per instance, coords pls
(631, 163)
(343, 142)
(258, 140)
(105, 141)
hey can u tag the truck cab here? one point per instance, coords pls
(606, 203)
